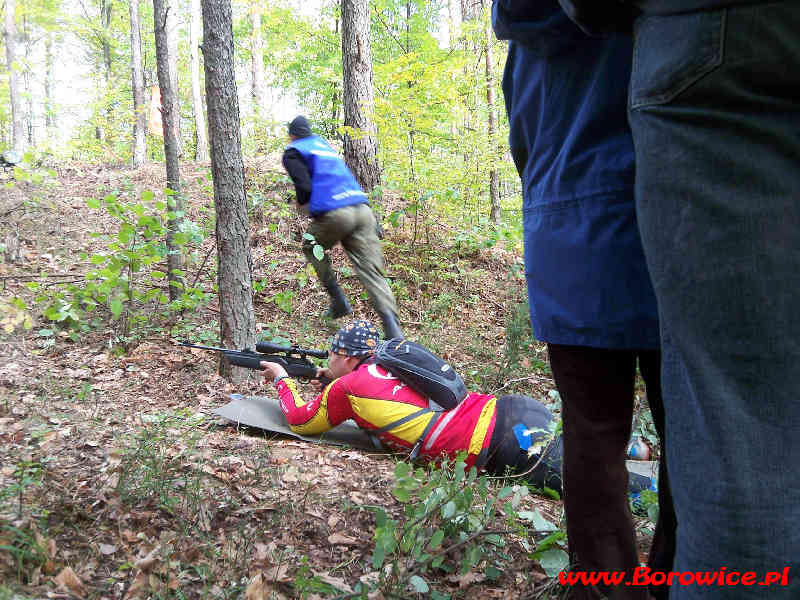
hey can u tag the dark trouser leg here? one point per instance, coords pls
(715, 119)
(364, 250)
(596, 388)
(327, 229)
(662, 549)
(543, 469)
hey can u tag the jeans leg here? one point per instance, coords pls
(716, 122)
(596, 388)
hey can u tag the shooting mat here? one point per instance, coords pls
(264, 413)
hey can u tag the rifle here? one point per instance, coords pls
(291, 358)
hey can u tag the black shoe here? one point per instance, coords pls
(391, 329)
(340, 307)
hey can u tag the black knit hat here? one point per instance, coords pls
(358, 338)
(300, 127)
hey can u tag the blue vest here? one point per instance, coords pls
(332, 184)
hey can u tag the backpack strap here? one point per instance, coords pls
(373, 433)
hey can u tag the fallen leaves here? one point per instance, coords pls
(245, 512)
(261, 588)
(338, 538)
(68, 581)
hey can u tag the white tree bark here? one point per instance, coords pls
(137, 79)
(259, 89)
(172, 64)
(14, 87)
(49, 108)
(195, 39)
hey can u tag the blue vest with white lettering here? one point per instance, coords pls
(332, 184)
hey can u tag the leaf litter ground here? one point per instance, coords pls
(116, 481)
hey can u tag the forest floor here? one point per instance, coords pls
(116, 481)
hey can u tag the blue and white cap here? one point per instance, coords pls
(358, 338)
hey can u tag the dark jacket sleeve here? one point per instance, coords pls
(601, 17)
(298, 170)
(540, 26)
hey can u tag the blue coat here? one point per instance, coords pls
(332, 184)
(565, 95)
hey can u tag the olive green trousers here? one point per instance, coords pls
(355, 227)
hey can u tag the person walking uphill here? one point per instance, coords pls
(329, 192)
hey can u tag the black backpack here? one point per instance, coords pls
(422, 371)
(425, 373)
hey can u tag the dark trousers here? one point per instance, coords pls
(597, 395)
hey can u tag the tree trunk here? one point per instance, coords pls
(360, 146)
(26, 76)
(237, 321)
(105, 23)
(49, 110)
(14, 88)
(471, 9)
(258, 91)
(494, 185)
(455, 19)
(137, 78)
(195, 38)
(169, 117)
(172, 65)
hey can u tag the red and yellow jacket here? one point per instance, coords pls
(374, 398)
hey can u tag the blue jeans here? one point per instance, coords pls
(716, 123)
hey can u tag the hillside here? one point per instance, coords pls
(117, 482)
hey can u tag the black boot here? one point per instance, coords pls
(340, 307)
(391, 329)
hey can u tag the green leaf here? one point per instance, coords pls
(436, 539)
(309, 237)
(401, 494)
(380, 518)
(45, 332)
(539, 522)
(652, 512)
(319, 252)
(93, 203)
(493, 572)
(419, 584)
(378, 556)
(126, 232)
(116, 307)
(553, 561)
(448, 510)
